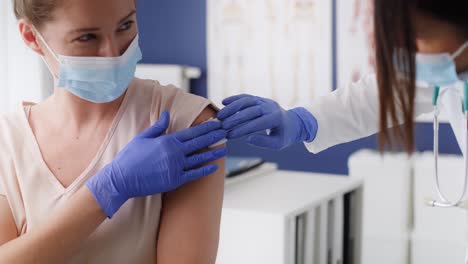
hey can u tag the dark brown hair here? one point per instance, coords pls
(395, 57)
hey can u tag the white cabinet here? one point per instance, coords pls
(169, 74)
(286, 217)
(387, 217)
(439, 234)
(398, 226)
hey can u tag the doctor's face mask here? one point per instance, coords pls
(438, 69)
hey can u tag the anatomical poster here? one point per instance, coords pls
(280, 49)
(355, 54)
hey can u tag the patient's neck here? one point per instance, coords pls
(76, 110)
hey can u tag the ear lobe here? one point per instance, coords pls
(29, 36)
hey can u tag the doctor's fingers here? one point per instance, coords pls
(204, 141)
(231, 99)
(245, 115)
(237, 106)
(258, 125)
(265, 141)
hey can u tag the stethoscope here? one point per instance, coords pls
(443, 201)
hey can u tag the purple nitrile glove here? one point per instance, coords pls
(252, 115)
(154, 163)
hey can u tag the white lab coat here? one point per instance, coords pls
(352, 112)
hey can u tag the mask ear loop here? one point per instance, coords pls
(51, 51)
(460, 50)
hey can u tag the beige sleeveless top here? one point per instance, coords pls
(33, 192)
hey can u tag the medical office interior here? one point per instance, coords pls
(347, 204)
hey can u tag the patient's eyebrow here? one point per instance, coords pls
(127, 16)
(82, 30)
(93, 29)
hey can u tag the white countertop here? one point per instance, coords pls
(287, 192)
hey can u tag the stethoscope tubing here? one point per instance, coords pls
(443, 200)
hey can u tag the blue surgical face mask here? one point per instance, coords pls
(97, 79)
(438, 69)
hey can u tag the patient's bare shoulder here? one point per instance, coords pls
(185, 109)
(208, 113)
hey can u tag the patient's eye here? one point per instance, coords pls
(126, 26)
(86, 37)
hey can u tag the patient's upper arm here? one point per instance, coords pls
(190, 217)
(7, 222)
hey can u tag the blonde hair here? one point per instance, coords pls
(36, 11)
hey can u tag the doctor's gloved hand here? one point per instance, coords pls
(267, 124)
(154, 163)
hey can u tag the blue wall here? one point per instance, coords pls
(174, 31)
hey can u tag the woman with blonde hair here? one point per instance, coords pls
(72, 187)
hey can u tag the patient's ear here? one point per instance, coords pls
(29, 36)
